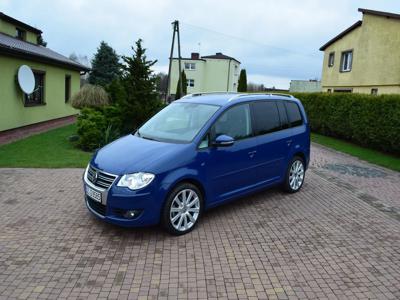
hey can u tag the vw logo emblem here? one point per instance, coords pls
(95, 177)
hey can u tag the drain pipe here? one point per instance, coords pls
(229, 73)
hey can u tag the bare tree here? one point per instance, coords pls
(83, 60)
(254, 87)
(162, 83)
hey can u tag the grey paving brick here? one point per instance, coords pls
(333, 240)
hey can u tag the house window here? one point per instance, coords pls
(37, 97)
(67, 87)
(374, 91)
(190, 82)
(331, 59)
(343, 90)
(329, 91)
(190, 66)
(346, 62)
(20, 34)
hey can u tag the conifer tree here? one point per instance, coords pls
(141, 99)
(105, 66)
(242, 85)
(184, 86)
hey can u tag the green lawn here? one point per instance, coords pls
(372, 156)
(46, 150)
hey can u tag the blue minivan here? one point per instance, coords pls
(199, 152)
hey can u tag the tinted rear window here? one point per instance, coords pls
(294, 114)
(266, 117)
(283, 115)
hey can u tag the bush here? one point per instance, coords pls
(97, 127)
(90, 96)
(370, 121)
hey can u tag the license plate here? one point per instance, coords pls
(95, 195)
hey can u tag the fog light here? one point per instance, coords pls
(130, 214)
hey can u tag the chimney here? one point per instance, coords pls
(218, 53)
(195, 55)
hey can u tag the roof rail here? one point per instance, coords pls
(205, 93)
(279, 94)
(260, 94)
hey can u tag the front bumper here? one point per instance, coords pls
(117, 201)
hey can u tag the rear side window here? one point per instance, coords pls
(266, 117)
(294, 114)
(283, 115)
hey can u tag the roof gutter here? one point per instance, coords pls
(42, 59)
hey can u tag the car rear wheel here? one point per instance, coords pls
(295, 175)
(182, 209)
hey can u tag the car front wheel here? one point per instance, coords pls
(295, 175)
(182, 209)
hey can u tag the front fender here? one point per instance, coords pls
(184, 174)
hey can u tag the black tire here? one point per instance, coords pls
(166, 221)
(287, 186)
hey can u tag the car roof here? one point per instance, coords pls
(228, 99)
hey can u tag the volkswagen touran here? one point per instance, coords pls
(199, 152)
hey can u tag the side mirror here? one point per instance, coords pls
(223, 141)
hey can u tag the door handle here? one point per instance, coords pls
(252, 153)
(289, 142)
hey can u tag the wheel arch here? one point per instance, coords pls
(303, 156)
(190, 180)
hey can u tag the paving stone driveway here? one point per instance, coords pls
(338, 238)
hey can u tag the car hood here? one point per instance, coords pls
(131, 154)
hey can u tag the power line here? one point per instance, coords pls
(314, 56)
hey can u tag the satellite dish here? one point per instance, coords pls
(26, 80)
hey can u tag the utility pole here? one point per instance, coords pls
(175, 26)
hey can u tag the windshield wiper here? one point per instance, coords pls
(137, 133)
(148, 138)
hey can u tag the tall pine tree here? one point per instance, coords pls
(184, 86)
(105, 66)
(141, 100)
(242, 85)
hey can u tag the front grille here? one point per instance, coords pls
(96, 206)
(99, 178)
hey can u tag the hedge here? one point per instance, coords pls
(370, 121)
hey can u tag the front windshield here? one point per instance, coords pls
(178, 122)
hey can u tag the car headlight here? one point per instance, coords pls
(136, 181)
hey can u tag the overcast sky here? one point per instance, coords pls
(275, 40)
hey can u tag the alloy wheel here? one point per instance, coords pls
(184, 210)
(296, 175)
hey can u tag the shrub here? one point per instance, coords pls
(370, 121)
(90, 96)
(110, 134)
(91, 125)
(97, 127)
